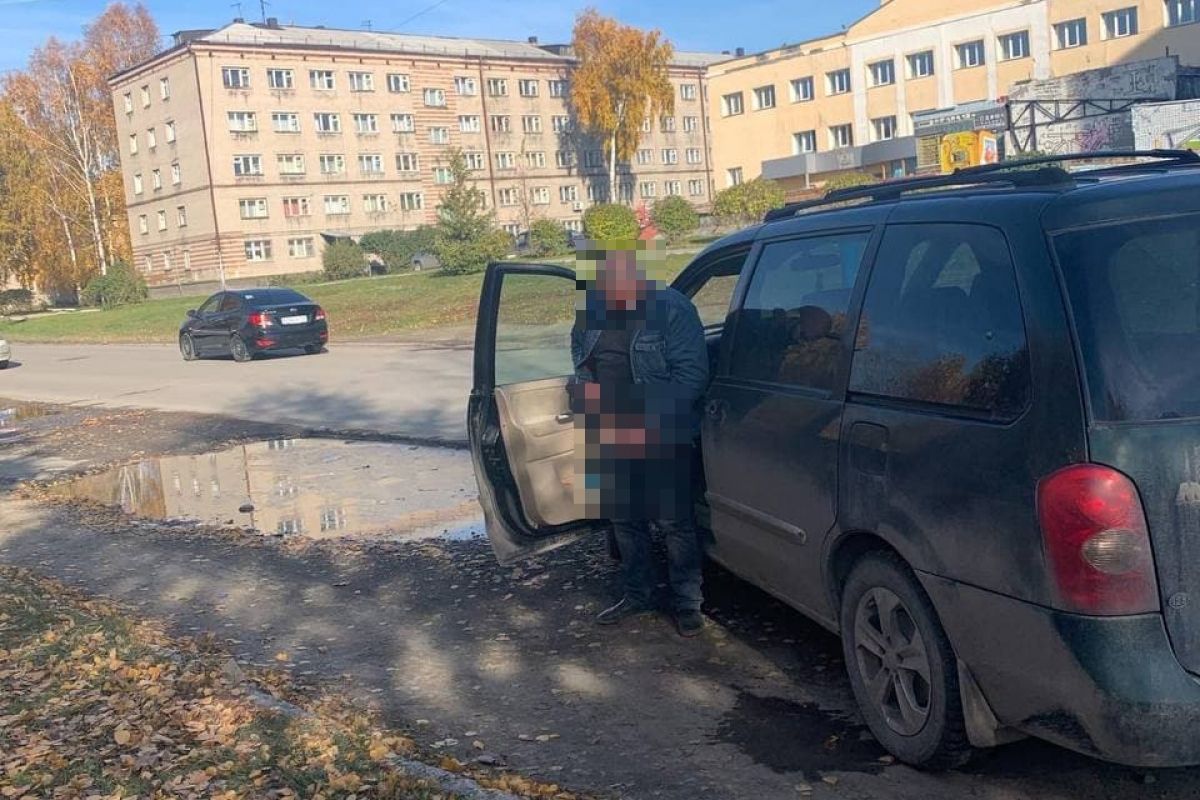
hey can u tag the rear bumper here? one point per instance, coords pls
(277, 339)
(1109, 687)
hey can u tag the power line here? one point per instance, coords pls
(421, 13)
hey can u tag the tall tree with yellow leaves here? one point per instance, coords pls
(621, 79)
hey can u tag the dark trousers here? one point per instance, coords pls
(683, 560)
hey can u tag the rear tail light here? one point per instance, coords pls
(1097, 542)
(264, 342)
(259, 320)
(320, 315)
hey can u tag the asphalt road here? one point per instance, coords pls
(397, 389)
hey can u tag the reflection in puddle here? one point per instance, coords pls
(307, 487)
(10, 416)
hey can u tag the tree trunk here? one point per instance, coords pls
(612, 168)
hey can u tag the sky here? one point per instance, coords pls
(712, 25)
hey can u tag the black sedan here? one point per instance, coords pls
(245, 322)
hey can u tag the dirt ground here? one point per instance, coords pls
(503, 664)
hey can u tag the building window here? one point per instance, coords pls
(575, 225)
(1014, 46)
(764, 97)
(693, 156)
(337, 204)
(332, 164)
(408, 162)
(296, 207)
(527, 87)
(733, 176)
(838, 82)
(370, 164)
(646, 126)
(156, 179)
(327, 122)
(593, 158)
(731, 104)
(181, 222)
(500, 123)
(557, 87)
(691, 124)
(801, 89)
(670, 155)
(883, 73)
(301, 247)
(535, 160)
(439, 135)
(507, 197)
(128, 102)
(560, 124)
(244, 166)
(321, 79)
(285, 122)
(235, 77)
(540, 195)
(145, 96)
(242, 121)
(362, 81)
(804, 142)
(137, 183)
(435, 98)
(258, 249)
(695, 187)
(473, 159)
(403, 123)
(497, 87)
(164, 88)
(366, 123)
(1182, 12)
(506, 161)
(667, 124)
(253, 208)
(647, 189)
(466, 86)
(1072, 33)
(166, 260)
(568, 194)
(920, 65)
(397, 83)
(969, 54)
(375, 203)
(281, 79)
(470, 123)
(564, 158)
(645, 156)
(176, 175)
(1121, 23)
(531, 124)
(411, 201)
(169, 131)
(162, 220)
(442, 175)
(672, 188)
(841, 136)
(143, 224)
(151, 139)
(687, 91)
(883, 128)
(187, 260)
(133, 145)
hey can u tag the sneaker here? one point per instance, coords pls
(623, 609)
(689, 623)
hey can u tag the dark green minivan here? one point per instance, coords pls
(955, 420)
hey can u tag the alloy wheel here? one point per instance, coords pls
(893, 661)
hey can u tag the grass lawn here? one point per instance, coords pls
(358, 309)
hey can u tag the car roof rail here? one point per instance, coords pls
(1015, 173)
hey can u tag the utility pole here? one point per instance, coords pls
(262, 6)
(238, 6)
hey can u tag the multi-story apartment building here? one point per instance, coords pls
(847, 102)
(246, 148)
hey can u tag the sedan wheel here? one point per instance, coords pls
(902, 668)
(238, 349)
(187, 347)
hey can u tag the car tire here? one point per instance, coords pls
(187, 347)
(902, 668)
(3, 365)
(238, 349)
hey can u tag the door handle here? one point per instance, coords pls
(716, 409)
(564, 418)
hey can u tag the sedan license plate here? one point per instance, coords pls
(300, 320)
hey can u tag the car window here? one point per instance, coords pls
(210, 305)
(231, 303)
(533, 328)
(1134, 288)
(789, 327)
(942, 322)
(714, 293)
(272, 297)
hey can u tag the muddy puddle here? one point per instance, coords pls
(317, 488)
(12, 416)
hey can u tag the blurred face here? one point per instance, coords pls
(621, 281)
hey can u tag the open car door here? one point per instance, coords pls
(519, 419)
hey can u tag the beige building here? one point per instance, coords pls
(246, 148)
(854, 100)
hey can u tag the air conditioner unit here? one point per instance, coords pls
(577, 207)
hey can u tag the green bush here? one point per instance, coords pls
(397, 248)
(748, 202)
(121, 285)
(548, 238)
(609, 221)
(848, 180)
(343, 259)
(675, 217)
(17, 301)
(461, 256)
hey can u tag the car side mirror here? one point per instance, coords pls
(192, 314)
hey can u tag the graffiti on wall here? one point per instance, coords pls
(1090, 135)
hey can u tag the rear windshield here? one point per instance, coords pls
(1135, 292)
(272, 297)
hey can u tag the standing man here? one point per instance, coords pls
(641, 365)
